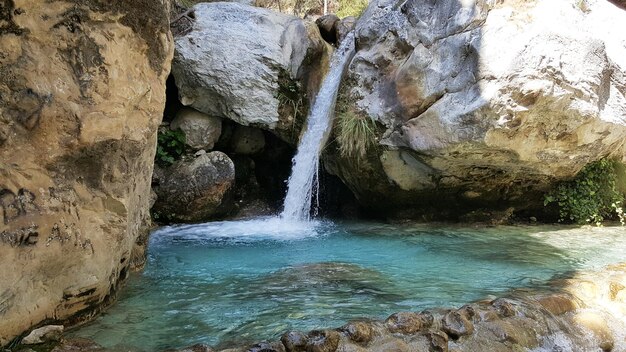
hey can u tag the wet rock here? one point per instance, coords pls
(44, 334)
(360, 332)
(328, 27)
(345, 26)
(201, 130)
(323, 341)
(597, 325)
(504, 307)
(467, 311)
(196, 348)
(438, 341)
(408, 322)
(295, 341)
(456, 325)
(78, 345)
(267, 347)
(194, 190)
(558, 304)
(392, 345)
(247, 140)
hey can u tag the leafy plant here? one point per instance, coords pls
(170, 146)
(591, 197)
(356, 134)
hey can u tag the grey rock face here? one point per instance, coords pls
(194, 190)
(237, 59)
(483, 104)
(201, 131)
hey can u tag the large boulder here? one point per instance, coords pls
(251, 65)
(82, 92)
(481, 105)
(194, 190)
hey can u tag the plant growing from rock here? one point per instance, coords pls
(591, 197)
(170, 146)
(356, 134)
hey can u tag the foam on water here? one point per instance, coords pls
(259, 229)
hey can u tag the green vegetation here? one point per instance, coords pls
(351, 8)
(592, 196)
(170, 146)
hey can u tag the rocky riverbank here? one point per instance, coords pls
(584, 312)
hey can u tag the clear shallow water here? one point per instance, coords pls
(235, 282)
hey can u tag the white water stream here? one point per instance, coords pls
(303, 181)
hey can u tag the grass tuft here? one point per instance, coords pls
(356, 135)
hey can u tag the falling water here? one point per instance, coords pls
(304, 174)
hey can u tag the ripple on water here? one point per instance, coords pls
(238, 281)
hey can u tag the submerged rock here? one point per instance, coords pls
(194, 190)
(478, 104)
(82, 92)
(251, 65)
(597, 323)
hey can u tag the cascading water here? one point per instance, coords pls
(304, 174)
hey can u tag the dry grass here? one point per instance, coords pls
(356, 134)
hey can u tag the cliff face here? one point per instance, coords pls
(480, 104)
(82, 91)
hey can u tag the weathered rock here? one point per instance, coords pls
(78, 345)
(456, 325)
(294, 341)
(264, 75)
(82, 92)
(43, 334)
(201, 130)
(358, 331)
(247, 140)
(481, 104)
(328, 27)
(267, 347)
(322, 341)
(194, 190)
(504, 307)
(558, 304)
(408, 322)
(195, 348)
(438, 341)
(345, 26)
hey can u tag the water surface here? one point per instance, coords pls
(232, 282)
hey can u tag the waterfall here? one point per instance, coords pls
(304, 173)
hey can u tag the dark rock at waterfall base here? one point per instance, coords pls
(328, 27)
(194, 190)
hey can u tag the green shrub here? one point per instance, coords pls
(591, 197)
(170, 146)
(355, 135)
(351, 8)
